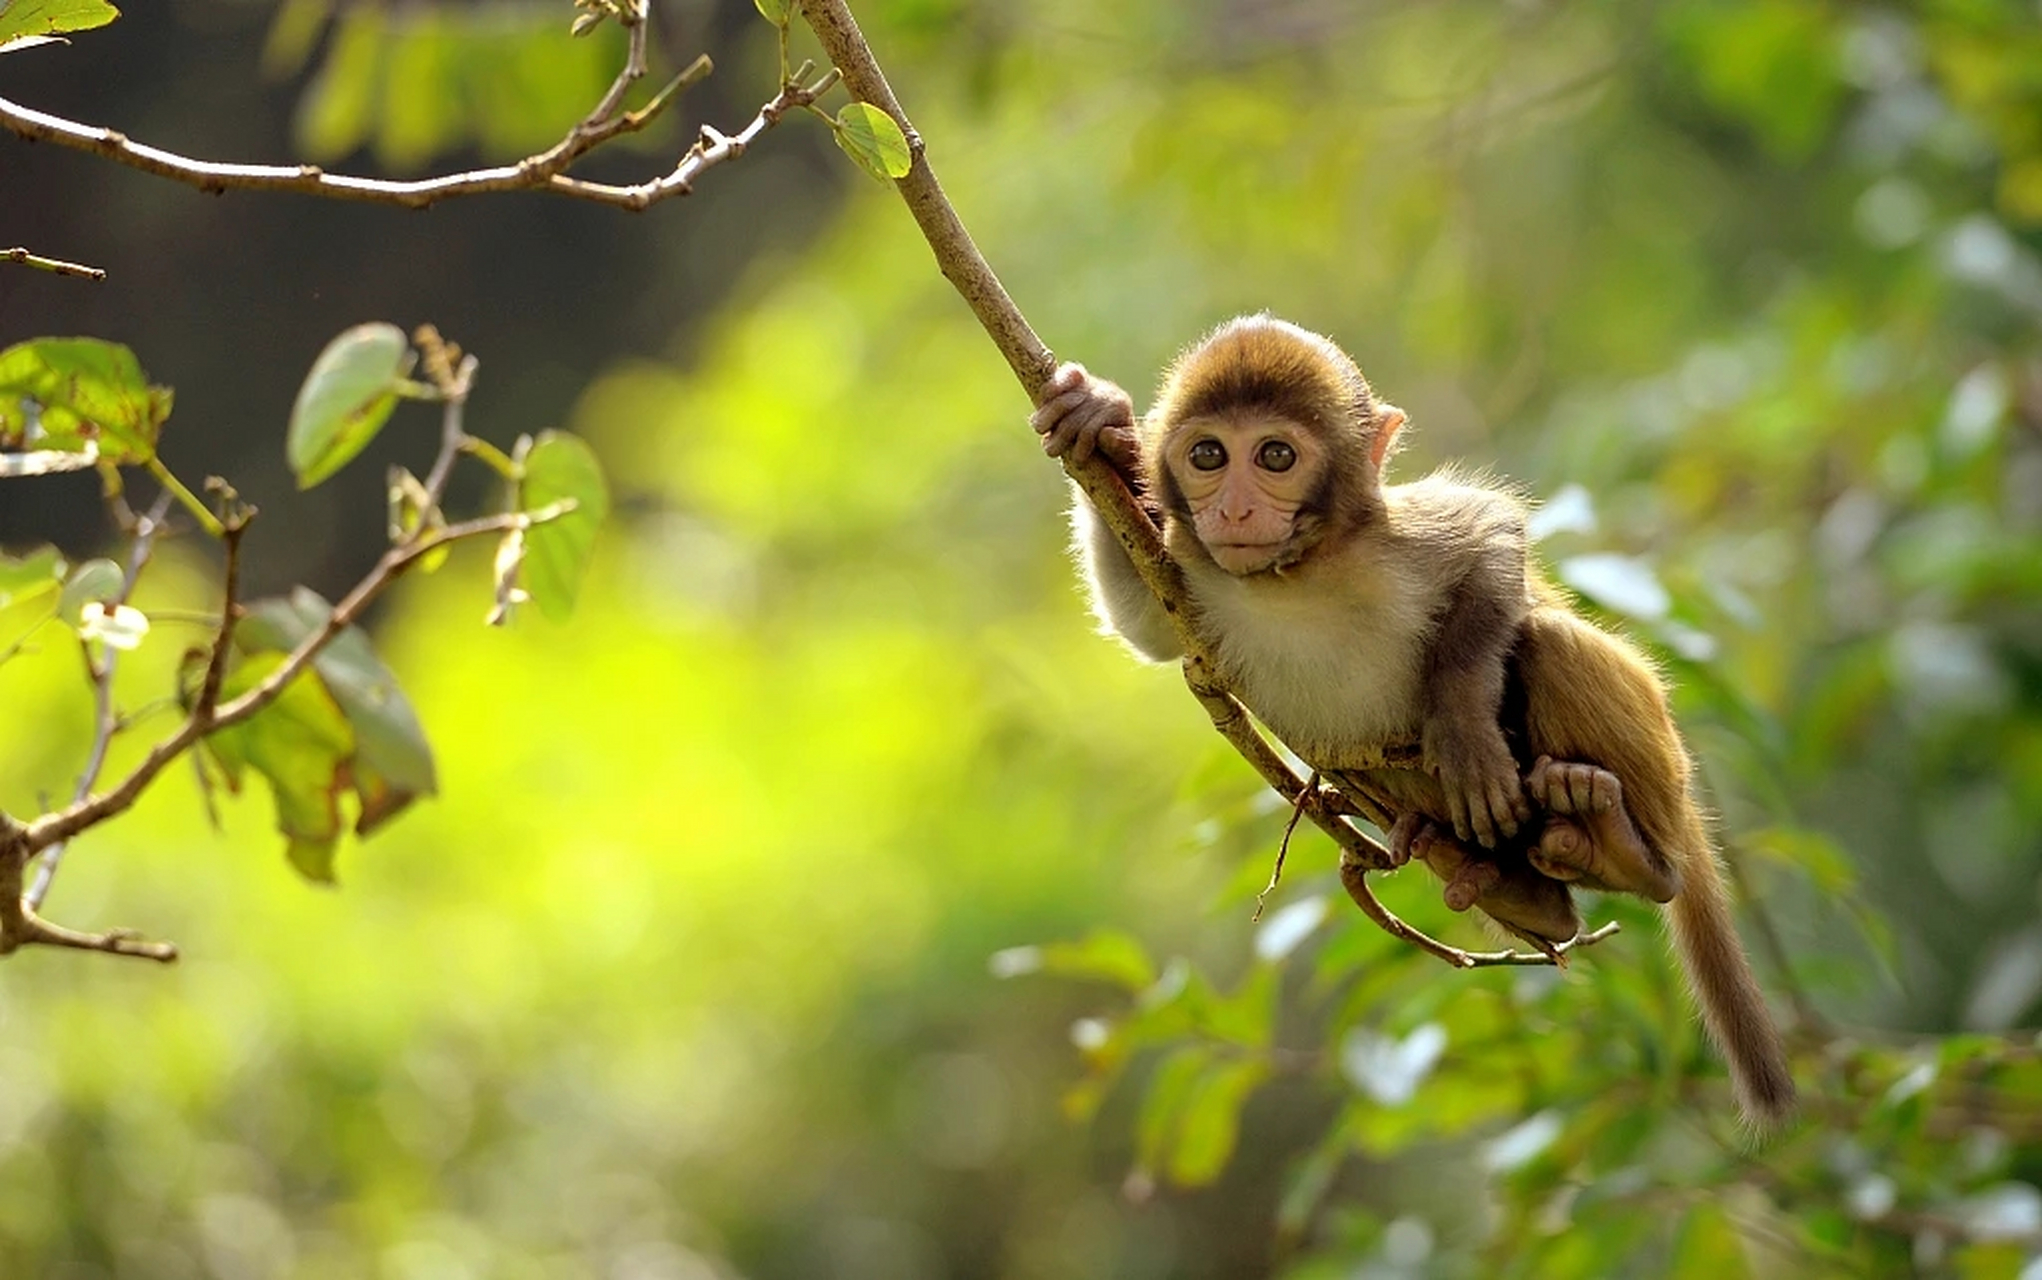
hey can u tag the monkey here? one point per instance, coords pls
(1351, 615)
(1281, 471)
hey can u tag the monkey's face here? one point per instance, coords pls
(1244, 479)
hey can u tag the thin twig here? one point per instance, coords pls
(21, 927)
(106, 722)
(56, 266)
(544, 171)
(1283, 846)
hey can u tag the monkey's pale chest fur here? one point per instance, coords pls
(1336, 673)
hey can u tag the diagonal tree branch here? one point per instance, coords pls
(1032, 362)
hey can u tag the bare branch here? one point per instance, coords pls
(21, 927)
(56, 266)
(545, 171)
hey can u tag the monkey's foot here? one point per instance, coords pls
(1526, 903)
(1484, 796)
(1589, 837)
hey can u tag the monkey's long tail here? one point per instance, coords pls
(1733, 1008)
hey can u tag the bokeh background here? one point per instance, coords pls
(826, 899)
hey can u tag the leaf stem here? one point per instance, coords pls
(186, 498)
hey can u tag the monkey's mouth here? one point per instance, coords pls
(1242, 558)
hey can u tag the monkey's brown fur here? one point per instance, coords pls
(1591, 697)
(1392, 613)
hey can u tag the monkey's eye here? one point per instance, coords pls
(1276, 455)
(1208, 455)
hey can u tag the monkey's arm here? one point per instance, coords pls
(1080, 414)
(1462, 737)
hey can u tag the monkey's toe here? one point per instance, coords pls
(1404, 834)
(1470, 884)
(1564, 850)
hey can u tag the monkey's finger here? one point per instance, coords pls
(1051, 415)
(1537, 780)
(1457, 810)
(1068, 375)
(1503, 808)
(1085, 425)
(1479, 820)
(1120, 447)
(1510, 814)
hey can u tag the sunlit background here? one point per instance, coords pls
(704, 964)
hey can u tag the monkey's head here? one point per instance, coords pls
(1265, 442)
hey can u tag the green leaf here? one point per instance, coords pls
(1105, 954)
(869, 136)
(346, 398)
(93, 580)
(1163, 1103)
(338, 108)
(561, 468)
(293, 33)
(1210, 1122)
(392, 764)
(776, 12)
(25, 577)
(423, 110)
(77, 396)
(32, 20)
(302, 744)
(1709, 1246)
(1817, 855)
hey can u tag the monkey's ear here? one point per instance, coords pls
(1389, 421)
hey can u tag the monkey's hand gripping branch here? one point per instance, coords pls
(1328, 805)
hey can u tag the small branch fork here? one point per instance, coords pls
(1328, 806)
(545, 171)
(23, 843)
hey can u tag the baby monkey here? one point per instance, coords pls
(1353, 616)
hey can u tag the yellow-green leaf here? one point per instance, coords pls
(1210, 1122)
(776, 11)
(870, 136)
(35, 20)
(302, 743)
(392, 762)
(81, 397)
(24, 577)
(345, 400)
(561, 468)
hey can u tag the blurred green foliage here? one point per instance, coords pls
(686, 972)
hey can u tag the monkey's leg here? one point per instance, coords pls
(1515, 896)
(1591, 837)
